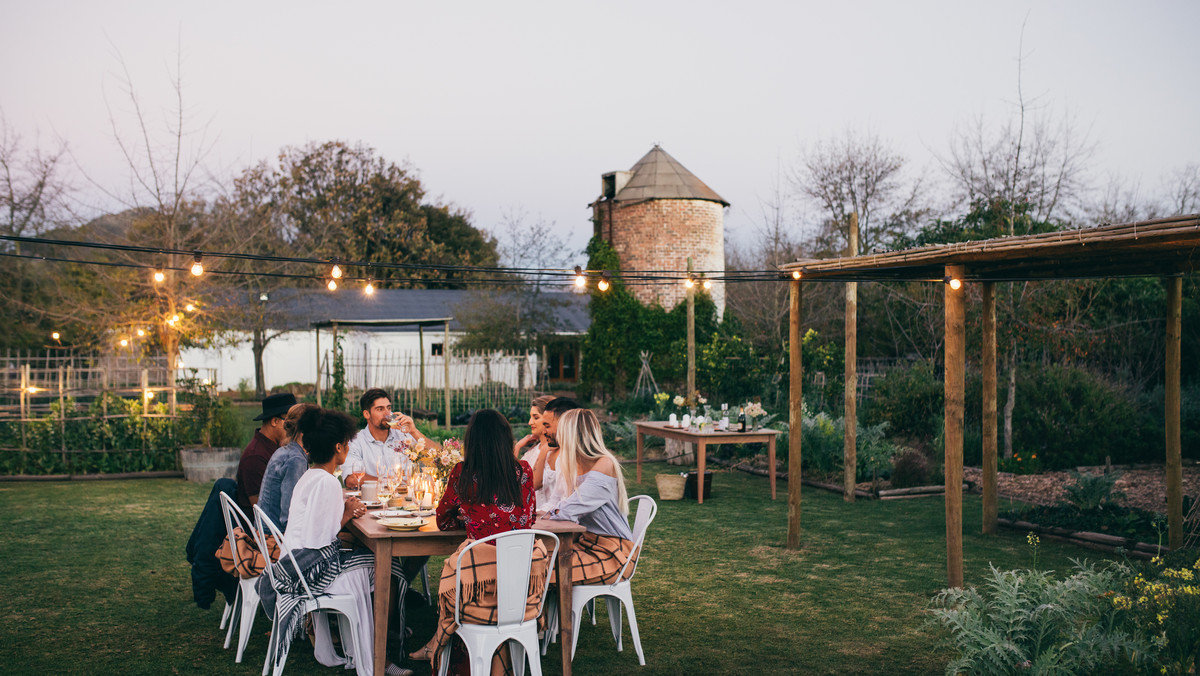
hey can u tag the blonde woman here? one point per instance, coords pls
(595, 499)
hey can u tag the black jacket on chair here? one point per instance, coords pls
(207, 576)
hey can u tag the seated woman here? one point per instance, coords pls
(316, 514)
(595, 499)
(284, 470)
(489, 492)
(532, 448)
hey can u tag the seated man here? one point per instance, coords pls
(286, 467)
(375, 445)
(258, 452)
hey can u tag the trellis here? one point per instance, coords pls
(1165, 248)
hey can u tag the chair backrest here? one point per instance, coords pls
(647, 509)
(514, 560)
(234, 518)
(265, 524)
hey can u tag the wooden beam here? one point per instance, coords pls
(850, 418)
(988, 348)
(795, 407)
(1174, 466)
(691, 340)
(956, 340)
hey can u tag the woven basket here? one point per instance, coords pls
(670, 486)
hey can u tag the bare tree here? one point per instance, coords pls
(33, 187)
(859, 173)
(1184, 190)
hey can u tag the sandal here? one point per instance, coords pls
(423, 655)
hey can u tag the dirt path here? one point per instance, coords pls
(1144, 486)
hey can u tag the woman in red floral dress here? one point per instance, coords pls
(489, 492)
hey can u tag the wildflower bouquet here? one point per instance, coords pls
(434, 461)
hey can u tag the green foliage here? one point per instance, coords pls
(908, 399)
(823, 441)
(910, 467)
(337, 391)
(1029, 622)
(1163, 602)
(1019, 463)
(1093, 491)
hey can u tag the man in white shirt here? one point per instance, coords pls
(375, 447)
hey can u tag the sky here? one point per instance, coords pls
(519, 107)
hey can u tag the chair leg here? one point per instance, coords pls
(535, 664)
(627, 600)
(249, 612)
(444, 662)
(614, 618)
(516, 651)
(225, 616)
(591, 608)
(232, 615)
(270, 646)
(425, 583)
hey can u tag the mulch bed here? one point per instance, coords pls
(1144, 486)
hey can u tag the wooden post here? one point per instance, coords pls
(989, 408)
(850, 419)
(1174, 466)
(955, 379)
(24, 404)
(421, 351)
(145, 403)
(318, 343)
(795, 407)
(691, 340)
(62, 416)
(446, 368)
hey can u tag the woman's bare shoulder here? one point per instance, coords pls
(605, 465)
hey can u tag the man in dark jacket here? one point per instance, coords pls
(207, 575)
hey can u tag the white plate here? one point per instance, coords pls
(393, 513)
(372, 504)
(350, 494)
(409, 523)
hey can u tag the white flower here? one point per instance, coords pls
(678, 400)
(702, 400)
(754, 409)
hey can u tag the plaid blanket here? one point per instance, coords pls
(319, 568)
(598, 558)
(478, 591)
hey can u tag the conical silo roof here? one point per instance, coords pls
(660, 176)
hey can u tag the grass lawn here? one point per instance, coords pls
(96, 582)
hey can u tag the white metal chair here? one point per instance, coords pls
(245, 601)
(342, 604)
(514, 557)
(618, 594)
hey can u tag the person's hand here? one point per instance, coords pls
(354, 481)
(354, 507)
(407, 425)
(526, 440)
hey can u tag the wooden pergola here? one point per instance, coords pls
(1167, 248)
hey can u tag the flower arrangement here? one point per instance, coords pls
(754, 410)
(434, 461)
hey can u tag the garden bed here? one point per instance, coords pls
(1099, 541)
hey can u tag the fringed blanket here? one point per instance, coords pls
(319, 568)
(478, 600)
(598, 559)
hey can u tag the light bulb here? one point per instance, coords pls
(369, 288)
(197, 266)
(602, 285)
(795, 274)
(336, 272)
(332, 285)
(55, 335)
(955, 283)
(707, 284)
(580, 280)
(689, 283)
(124, 342)
(159, 277)
(149, 396)
(141, 333)
(176, 317)
(189, 308)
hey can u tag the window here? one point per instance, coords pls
(435, 349)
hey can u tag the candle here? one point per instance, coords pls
(427, 500)
(687, 420)
(411, 483)
(674, 422)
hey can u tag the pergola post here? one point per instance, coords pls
(989, 408)
(1174, 465)
(421, 352)
(850, 418)
(956, 340)
(446, 368)
(317, 340)
(795, 408)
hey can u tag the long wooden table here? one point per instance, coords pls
(703, 439)
(429, 541)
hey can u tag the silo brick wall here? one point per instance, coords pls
(661, 234)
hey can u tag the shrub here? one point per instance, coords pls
(1027, 621)
(1092, 491)
(910, 468)
(908, 399)
(1164, 602)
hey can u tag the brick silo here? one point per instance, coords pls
(658, 214)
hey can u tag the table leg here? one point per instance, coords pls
(565, 617)
(641, 441)
(383, 593)
(700, 458)
(771, 463)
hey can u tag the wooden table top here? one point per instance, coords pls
(369, 527)
(661, 428)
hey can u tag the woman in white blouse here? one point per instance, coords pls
(595, 499)
(317, 513)
(533, 449)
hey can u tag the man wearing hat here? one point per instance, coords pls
(266, 441)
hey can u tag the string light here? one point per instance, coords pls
(149, 395)
(369, 289)
(336, 272)
(33, 390)
(197, 266)
(689, 282)
(124, 342)
(604, 283)
(332, 285)
(189, 308)
(141, 333)
(954, 282)
(580, 280)
(56, 335)
(264, 297)
(159, 277)
(707, 284)
(795, 274)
